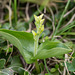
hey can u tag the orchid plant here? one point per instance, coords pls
(27, 44)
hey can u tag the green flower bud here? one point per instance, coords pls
(34, 33)
(36, 18)
(42, 28)
(41, 21)
(40, 17)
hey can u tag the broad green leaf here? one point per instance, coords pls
(46, 74)
(53, 70)
(3, 73)
(19, 70)
(7, 71)
(70, 67)
(25, 43)
(51, 49)
(2, 63)
(22, 40)
(73, 62)
(6, 26)
(20, 26)
(16, 61)
(56, 73)
(22, 71)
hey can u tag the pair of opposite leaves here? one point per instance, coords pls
(25, 43)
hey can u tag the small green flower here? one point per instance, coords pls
(41, 21)
(42, 28)
(41, 16)
(34, 33)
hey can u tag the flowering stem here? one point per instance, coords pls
(40, 28)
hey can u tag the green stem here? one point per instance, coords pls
(35, 52)
(37, 66)
(15, 11)
(35, 45)
(47, 67)
(36, 35)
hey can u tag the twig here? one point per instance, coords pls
(45, 15)
(65, 68)
(59, 71)
(32, 67)
(52, 18)
(9, 55)
(69, 12)
(52, 21)
(10, 13)
(44, 9)
(70, 21)
(27, 16)
(54, 5)
(7, 47)
(22, 61)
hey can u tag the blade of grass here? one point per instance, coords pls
(15, 11)
(66, 28)
(70, 33)
(67, 33)
(47, 67)
(61, 18)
